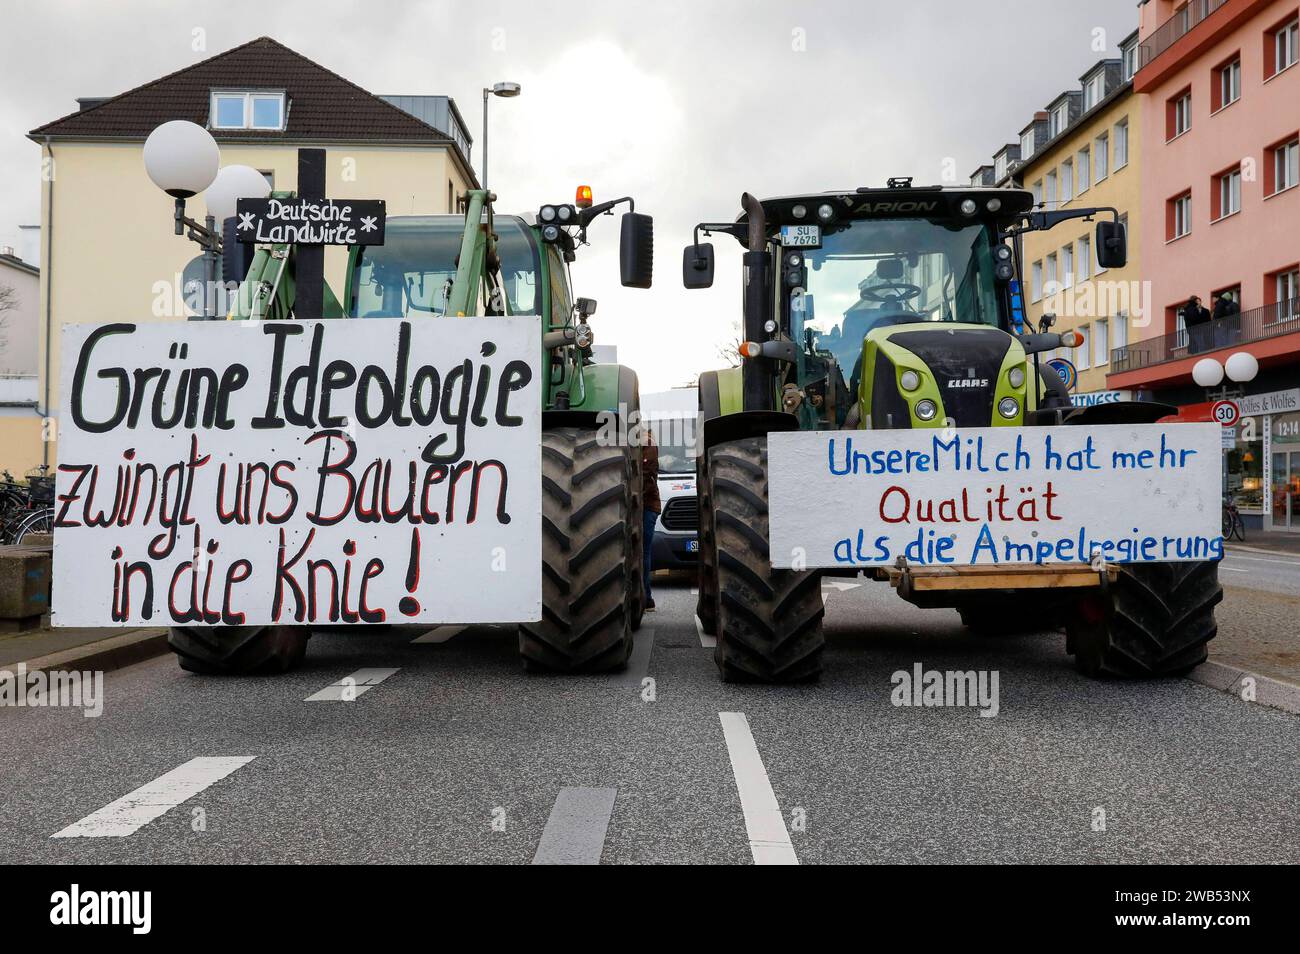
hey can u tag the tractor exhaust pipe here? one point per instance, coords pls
(755, 379)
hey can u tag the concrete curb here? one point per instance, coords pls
(1268, 692)
(115, 652)
(1241, 546)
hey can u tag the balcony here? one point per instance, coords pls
(1174, 29)
(1258, 324)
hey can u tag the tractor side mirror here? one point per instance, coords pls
(636, 250)
(586, 307)
(1112, 245)
(697, 265)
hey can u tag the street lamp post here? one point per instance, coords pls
(183, 160)
(505, 90)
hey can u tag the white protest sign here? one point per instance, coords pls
(298, 472)
(1129, 493)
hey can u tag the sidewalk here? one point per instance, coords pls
(1278, 541)
(82, 648)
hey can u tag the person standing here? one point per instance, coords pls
(650, 506)
(1226, 332)
(1196, 319)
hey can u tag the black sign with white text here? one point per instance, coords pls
(311, 221)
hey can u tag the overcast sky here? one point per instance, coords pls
(683, 105)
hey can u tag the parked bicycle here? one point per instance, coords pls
(27, 506)
(1233, 525)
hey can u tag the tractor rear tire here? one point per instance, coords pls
(706, 606)
(1155, 619)
(238, 650)
(589, 548)
(769, 621)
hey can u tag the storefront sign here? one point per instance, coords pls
(1093, 398)
(299, 472)
(1273, 402)
(311, 221)
(1129, 493)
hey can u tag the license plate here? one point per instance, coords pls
(692, 546)
(801, 236)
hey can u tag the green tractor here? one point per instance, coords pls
(900, 307)
(487, 264)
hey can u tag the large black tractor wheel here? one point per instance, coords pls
(238, 650)
(636, 549)
(590, 551)
(706, 606)
(1155, 619)
(769, 621)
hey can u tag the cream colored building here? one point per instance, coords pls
(110, 252)
(1090, 157)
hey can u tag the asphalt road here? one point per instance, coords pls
(1261, 569)
(453, 754)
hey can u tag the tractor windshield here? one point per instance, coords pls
(872, 273)
(411, 274)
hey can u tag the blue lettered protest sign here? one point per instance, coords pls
(1128, 493)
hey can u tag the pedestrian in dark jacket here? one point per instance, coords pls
(1225, 333)
(650, 505)
(1196, 319)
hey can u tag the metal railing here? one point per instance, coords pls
(1269, 321)
(1175, 28)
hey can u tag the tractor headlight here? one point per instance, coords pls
(994, 205)
(551, 233)
(926, 410)
(564, 212)
(1008, 407)
(1016, 377)
(909, 380)
(825, 212)
(582, 335)
(799, 211)
(547, 214)
(968, 207)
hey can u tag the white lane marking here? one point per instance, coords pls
(439, 634)
(768, 838)
(1233, 569)
(1238, 556)
(132, 812)
(695, 592)
(841, 585)
(575, 829)
(707, 641)
(349, 688)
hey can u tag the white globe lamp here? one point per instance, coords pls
(232, 184)
(181, 158)
(1241, 367)
(1207, 372)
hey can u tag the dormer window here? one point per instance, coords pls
(246, 109)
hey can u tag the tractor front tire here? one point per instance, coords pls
(238, 650)
(706, 606)
(1155, 619)
(769, 621)
(589, 548)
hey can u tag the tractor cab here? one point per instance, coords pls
(891, 307)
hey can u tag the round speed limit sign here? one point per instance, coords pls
(1226, 413)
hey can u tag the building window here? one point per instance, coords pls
(1227, 194)
(1178, 115)
(1067, 266)
(1060, 119)
(1050, 195)
(1178, 216)
(999, 167)
(1052, 284)
(1284, 43)
(1284, 286)
(1067, 181)
(1121, 330)
(1085, 258)
(233, 109)
(1103, 156)
(1084, 165)
(1037, 189)
(1036, 287)
(1100, 342)
(1227, 84)
(1081, 353)
(1094, 90)
(1282, 170)
(1026, 144)
(1129, 56)
(1121, 144)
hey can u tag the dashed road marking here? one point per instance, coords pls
(439, 634)
(132, 812)
(575, 829)
(840, 585)
(707, 641)
(769, 840)
(349, 688)
(1233, 569)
